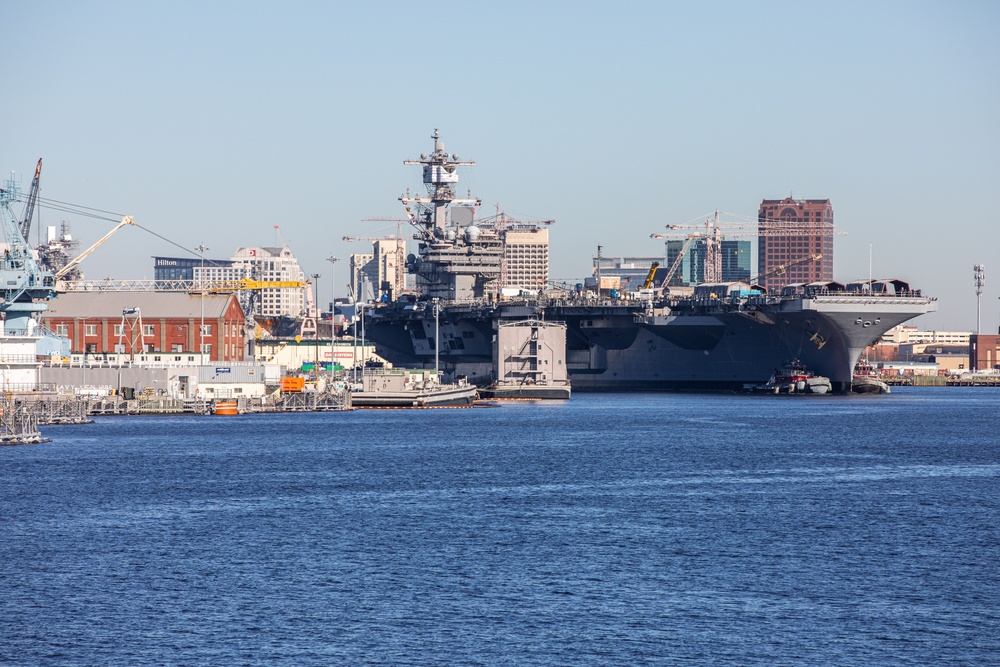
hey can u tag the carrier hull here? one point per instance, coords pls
(690, 345)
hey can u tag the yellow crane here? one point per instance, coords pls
(650, 275)
(244, 284)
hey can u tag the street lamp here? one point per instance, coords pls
(437, 337)
(201, 284)
(333, 307)
(314, 314)
(84, 349)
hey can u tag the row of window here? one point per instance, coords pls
(147, 330)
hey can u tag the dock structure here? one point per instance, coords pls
(18, 424)
(974, 381)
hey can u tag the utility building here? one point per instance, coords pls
(789, 230)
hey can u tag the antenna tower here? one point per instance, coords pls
(980, 278)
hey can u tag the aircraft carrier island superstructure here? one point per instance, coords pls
(718, 338)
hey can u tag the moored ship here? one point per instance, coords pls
(719, 338)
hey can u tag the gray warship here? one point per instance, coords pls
(720, 337)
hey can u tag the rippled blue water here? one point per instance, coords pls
(607, 530)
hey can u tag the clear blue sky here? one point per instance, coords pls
(212, 122)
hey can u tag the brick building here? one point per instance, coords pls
(790, 229)
(158, 322)
(984, 352)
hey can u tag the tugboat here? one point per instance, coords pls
(867, 381)
(795, 378)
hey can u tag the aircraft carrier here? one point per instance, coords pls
(720, 337)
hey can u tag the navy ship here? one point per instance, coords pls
(719, 337)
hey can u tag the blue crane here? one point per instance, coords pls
(25, 288)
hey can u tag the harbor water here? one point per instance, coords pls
(605, 530)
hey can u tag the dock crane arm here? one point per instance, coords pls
(72, 264)
(677, 262)
(29, 208)
(650, 275)
(782, 268)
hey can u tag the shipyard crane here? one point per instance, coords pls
(713, 250)
(24, 285)
(245, 284)
(29, 207)
(782, 268)
(779, 227)
(650, 275)
(677, 262)
(73, 263)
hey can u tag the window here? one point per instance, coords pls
(119, 330)
(62, 329)
(90, 329)
(177, 348)
(148, 329)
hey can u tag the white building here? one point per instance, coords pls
(268, 264)
(908, 334)
(372, 273)
(526, 257)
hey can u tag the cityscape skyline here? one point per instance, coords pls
(212, 124)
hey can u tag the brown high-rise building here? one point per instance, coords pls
(789, 231)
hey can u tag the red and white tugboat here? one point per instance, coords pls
(795, 378)
(867, 381)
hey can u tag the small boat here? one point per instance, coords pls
(795, 378)
(227, 407)
(867, 381)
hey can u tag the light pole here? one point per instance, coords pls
(84, 349)
(314, 314)
(437, 337)
(980, 279)
(333, 308)
(201, 284)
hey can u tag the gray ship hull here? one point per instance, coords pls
(706, 345)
